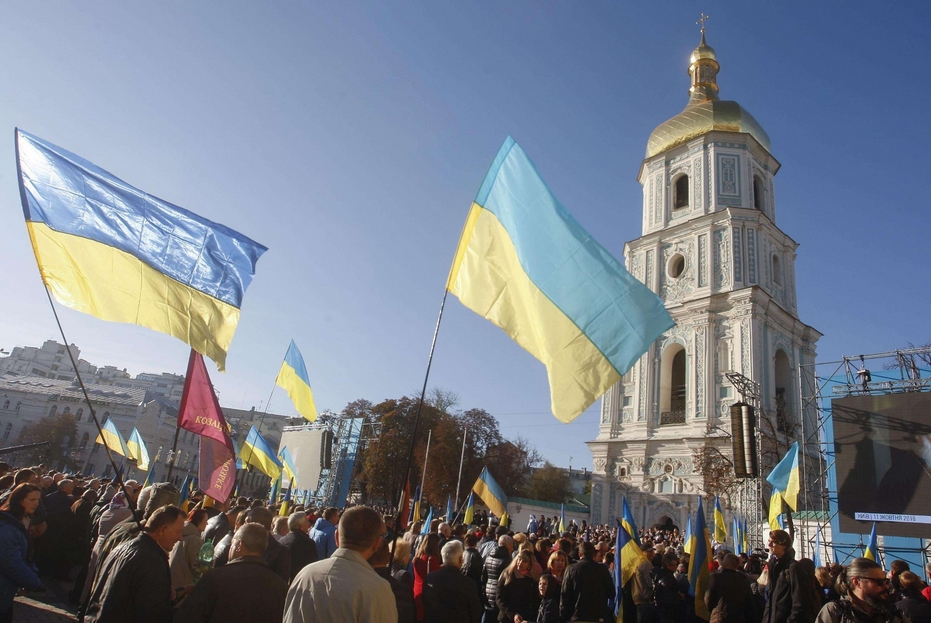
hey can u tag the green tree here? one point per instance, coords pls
(550, 484)
(60, 431)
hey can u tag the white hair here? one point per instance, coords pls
(451, 553)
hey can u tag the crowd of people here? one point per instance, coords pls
(141, 554)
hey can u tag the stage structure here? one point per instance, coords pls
(873, 437)
(325, 454)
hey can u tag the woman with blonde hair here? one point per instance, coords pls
(402, 558)
(537, 570)
(518, 596)
(556, 565)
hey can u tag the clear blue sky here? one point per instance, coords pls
(350, 139)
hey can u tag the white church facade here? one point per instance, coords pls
(712, 250)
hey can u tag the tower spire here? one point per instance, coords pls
(703, 69)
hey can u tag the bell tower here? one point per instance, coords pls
(712, 250)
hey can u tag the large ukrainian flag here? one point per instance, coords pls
(257, 452)
(117, 253)
(137, 450)
(785, 481)
(525, 264)
(110, 436)
(491, 493)
(293, 379)
(699, 564)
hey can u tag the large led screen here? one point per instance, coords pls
(883, 460)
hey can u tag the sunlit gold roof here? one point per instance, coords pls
(704, 112)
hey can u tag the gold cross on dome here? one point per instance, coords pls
(701, 20)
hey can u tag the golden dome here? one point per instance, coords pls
(704, 112)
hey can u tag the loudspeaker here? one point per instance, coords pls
(743, 440)
(326, 449)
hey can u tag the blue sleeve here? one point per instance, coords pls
(12, 564)
(331, 543)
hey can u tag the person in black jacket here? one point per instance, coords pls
(586, 588)
(518, 596)
(792, 594)
(297, 541)
(912, 604)
(136, 585)
(666, 595)
(729, 597)
(242, 591)
(277, 556)
(448, 595)
(549, 599)
(494, 563)
(403, 591)
(472, 562)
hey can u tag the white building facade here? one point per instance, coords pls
(712, 250)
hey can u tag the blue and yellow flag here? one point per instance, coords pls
(427, 521)
(257, 452)
(137, 450)
(738, 535)
(871, 549)
(450, 511)
(628, 556)
(816, 558)
(491, 494)
(524, 263)
(745, 536)
(238, 452)
(114, 440)
(415, 508)
(469, 510)
(286, 503)
(275, 490)
(562, 518)
(185, 490)
(287, 464)
(627, 520)
(292, 377)
(94, 236)
(785, 481)
(699, 561)
(688, 542)
(720, 526)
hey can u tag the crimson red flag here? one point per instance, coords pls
(200, 413)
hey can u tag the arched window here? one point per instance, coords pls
(672, 386)
(777, 270)
(53, 410)
(67, 410)
(84, 441)
(79, 415)
(18, 405)
(8, 430)
(757, 192)
(680, 192)
(6, 405)
(784, 394)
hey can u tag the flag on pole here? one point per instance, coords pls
(292, 377)
(111, 437)
(562, 518)
(427, 521)
(688, 542)
(185, 490)
(785, 481)
(150, 476)
(286, 503)
(491, 493)
(524, 263)
(470, 510)
(200, 413)
(627, 520)
(405, 501)
(720, 526)
(449, 510)
(871, 549)
(257, 452)
(628, 557)
(817, 557)
(137, 450)
(699, 561)
(745, 535)
(93, 235)
(415, 507)
(287, 464)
